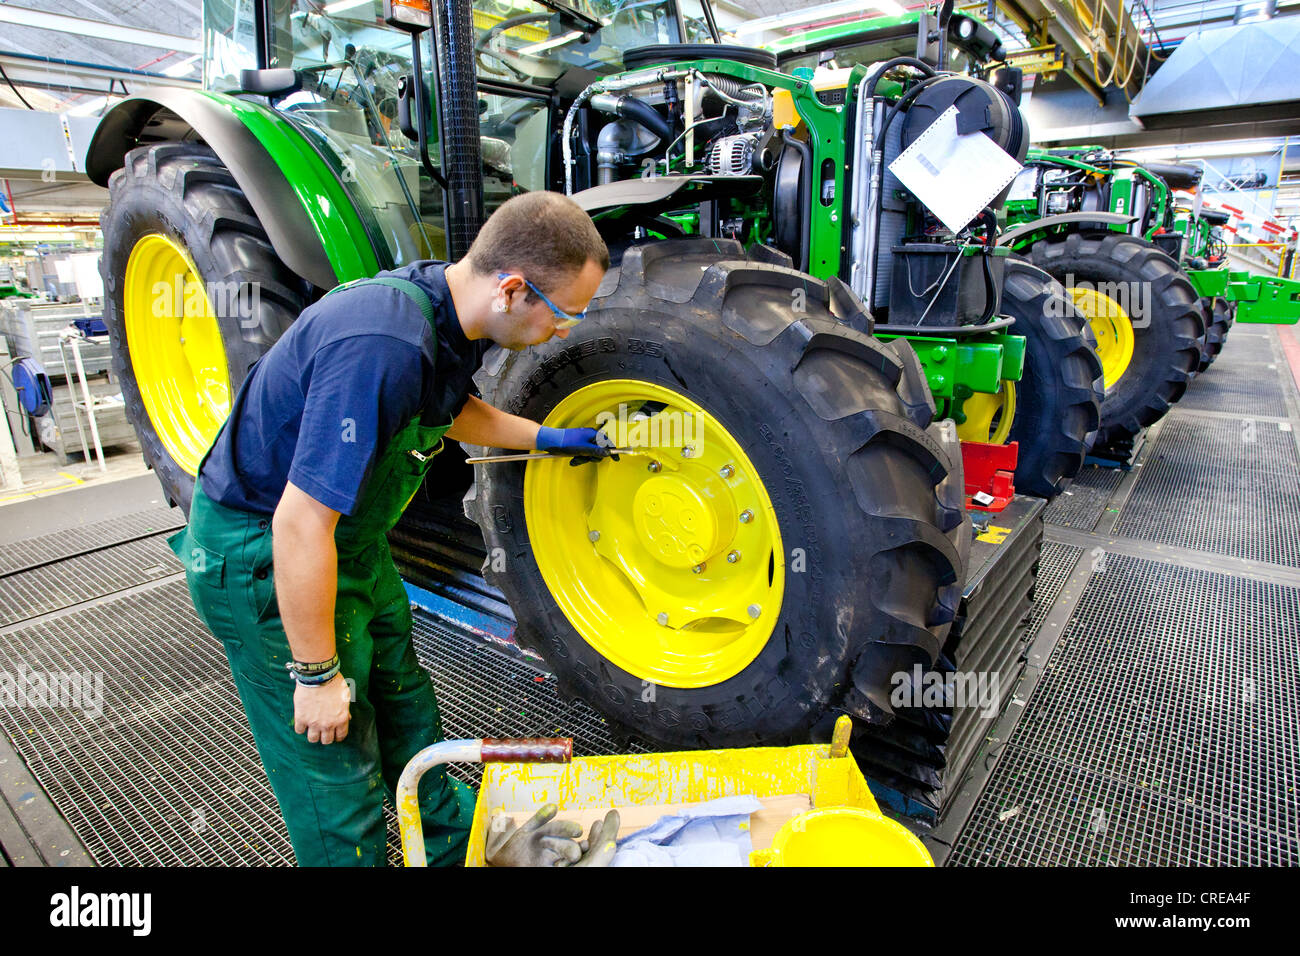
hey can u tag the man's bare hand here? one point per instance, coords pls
(323, 712)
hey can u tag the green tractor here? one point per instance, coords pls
(1109, 228)
(800, 538)
(1052, 410)
(1205, 260)
(1096, 223)
(1227, 294)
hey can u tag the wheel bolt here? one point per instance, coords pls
(688, 451)
(654, 466)
(733, 557)
(663, 618)
(746, 516)
(593, 536)
(726, 471)
(698, 568)
(755, 611)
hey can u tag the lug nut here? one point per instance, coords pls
(746, 516)
(698, 568)
(688, 451)
(726, 471)
(654, 466)
(755, 611)
(663, 618)
(733, 557)
(593, 536)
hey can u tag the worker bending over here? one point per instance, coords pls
(327, 442)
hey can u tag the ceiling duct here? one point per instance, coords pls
(1236, 74)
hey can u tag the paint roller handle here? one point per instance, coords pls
(527, 750)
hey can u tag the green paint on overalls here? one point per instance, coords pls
(332, 796)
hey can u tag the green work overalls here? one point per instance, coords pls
(332, 795)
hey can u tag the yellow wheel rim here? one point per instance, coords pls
(670, 565)
(989, 417)
(176, 352)
(1113, 329)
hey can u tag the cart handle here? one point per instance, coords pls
(487, 750)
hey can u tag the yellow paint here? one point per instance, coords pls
(652, 531)
(1112, 327)
(177, 355)
(994, 535)
(989, 417)
(843, 836)
(840, 737)
(665, 778)
(72, 482)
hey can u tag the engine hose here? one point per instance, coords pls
(888, 65)
(639, 111)
(730, 86)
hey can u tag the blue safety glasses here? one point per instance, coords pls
(563, 320)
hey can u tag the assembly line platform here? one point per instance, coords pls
(1156, 722)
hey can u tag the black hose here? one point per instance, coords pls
(921, 65)
(902, 104)
(639, 111)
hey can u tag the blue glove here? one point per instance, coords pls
(582, 444)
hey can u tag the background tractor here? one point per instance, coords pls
(1097, 224)
(1082, 213)
(1225, 292)
(804, 542)
(1051, 410)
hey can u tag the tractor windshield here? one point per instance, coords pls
(532, 43)
(350, 63)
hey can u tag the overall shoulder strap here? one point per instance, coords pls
(404, 286)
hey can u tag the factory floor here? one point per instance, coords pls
(46, 473)
(1156, 722)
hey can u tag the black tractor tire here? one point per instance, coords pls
(838, 426)
(1165, 351)
(1218, 319)
(184, 191)
(1059, 396)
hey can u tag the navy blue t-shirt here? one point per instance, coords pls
(321, 406)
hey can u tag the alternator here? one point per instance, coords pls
(732, 155)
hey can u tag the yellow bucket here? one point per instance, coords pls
(843, 836)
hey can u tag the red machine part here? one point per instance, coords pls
(990, 474)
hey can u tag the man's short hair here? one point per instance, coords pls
(543, 235)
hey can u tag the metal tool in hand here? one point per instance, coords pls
(534, 455)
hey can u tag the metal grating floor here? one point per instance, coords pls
(1054, 569)
(1084, 502)
(32, 552)
(1164, 730)
(1222, 486)
(169, 775)
(50, 587)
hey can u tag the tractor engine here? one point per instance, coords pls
(709, 121)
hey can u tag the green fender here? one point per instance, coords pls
(298, 198)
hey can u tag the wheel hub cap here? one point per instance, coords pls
(678, 525)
